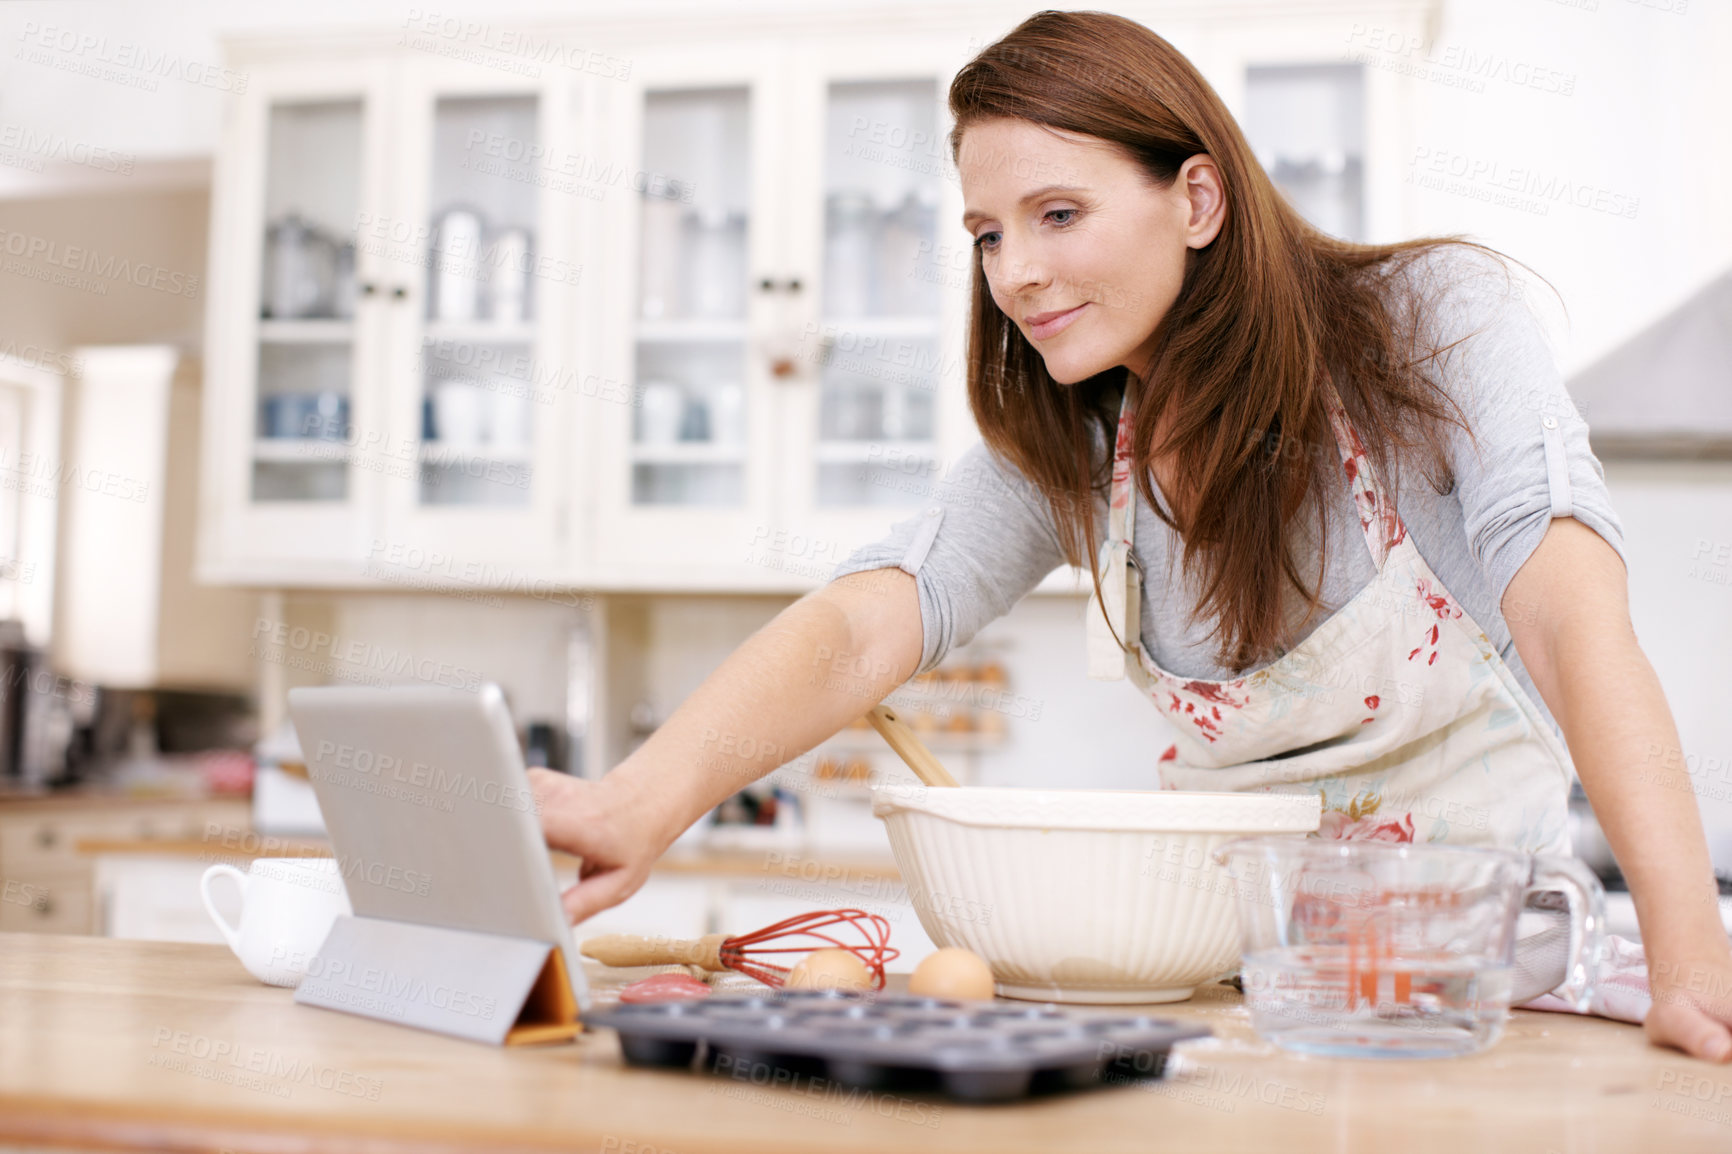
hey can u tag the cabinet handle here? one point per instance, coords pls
(46, 837)
(771, 284)
(44, 903)
(368, 288)
(399, 293)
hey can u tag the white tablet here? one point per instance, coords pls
(429, 811)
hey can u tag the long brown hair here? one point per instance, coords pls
(1265, 311)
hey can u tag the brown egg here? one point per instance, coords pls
(951, 973)
(830, 970)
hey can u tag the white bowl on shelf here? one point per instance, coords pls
(1082, 895)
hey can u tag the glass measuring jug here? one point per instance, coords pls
(1374, 949)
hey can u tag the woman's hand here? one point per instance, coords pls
(769, 702)
(1692, 1006)
(618, 840)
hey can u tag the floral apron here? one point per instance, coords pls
(1397, 709)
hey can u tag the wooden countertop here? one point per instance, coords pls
(134, 1044)
(800, 864)
(19, 803)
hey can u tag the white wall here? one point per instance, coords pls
(1649, 118)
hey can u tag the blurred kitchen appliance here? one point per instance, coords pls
(36, 712)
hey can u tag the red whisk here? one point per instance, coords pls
(717, 952)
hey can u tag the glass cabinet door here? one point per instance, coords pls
(479, 404)
(305, 358)
(688, 434)
(881, 307)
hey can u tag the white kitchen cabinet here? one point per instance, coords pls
(743, 333)
(30, 412)
(684, 471)
(292, 357)
(391, 278)
(128, 614)
(783, 313)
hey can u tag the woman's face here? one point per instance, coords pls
(1080, 251)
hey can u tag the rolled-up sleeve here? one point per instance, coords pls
(1531, 461)
(980, 543)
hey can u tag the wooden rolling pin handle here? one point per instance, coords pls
(634, 950)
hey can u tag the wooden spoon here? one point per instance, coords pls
(910, 748)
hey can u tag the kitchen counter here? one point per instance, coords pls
(134, 1045)
(245, 845)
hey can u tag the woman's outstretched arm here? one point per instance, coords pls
(1568, 612)
(822, 662)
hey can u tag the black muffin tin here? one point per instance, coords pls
(978, 1052)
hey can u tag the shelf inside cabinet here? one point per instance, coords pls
(694, 331)
(886, 452)
(298, 450)
(306, 332)
(904, 328)
(481, 332)
(688, 453)
(433, 453)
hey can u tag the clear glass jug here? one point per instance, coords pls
(1375, 949)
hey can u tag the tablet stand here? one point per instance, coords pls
(483, 987)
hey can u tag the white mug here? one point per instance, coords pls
(288, 905)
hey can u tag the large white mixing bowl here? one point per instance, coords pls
(1081, 895)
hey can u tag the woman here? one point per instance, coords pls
(1322, 468)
